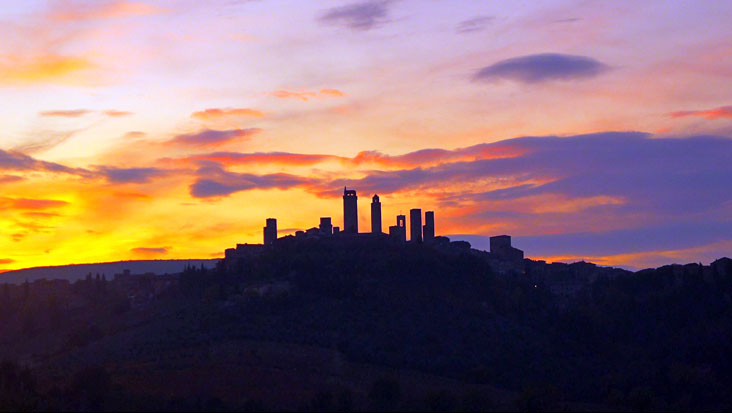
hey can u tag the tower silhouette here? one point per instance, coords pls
(350, 211)
(375, 215)
(429, 226)
(270, 231)
(415, 225)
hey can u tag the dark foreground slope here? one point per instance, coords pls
(311, 326)
(75, 272)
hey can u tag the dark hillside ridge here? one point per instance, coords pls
(75, 272)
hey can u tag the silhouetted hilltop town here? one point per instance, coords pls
(503, 258)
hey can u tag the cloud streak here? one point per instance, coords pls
(711, 114)
(217, 113)
(75, 113)
(307, 95)
(358, 16)
(212, 137)
(475, 24)
(540, 68)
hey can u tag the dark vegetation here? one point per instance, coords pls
(313, 327)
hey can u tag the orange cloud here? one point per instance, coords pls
(216, 113)
(135, 134)
(117, 113)
(307, 95)
(27, 203)
(103, 10)
(65, 113)
(43, 69)
(332, 92)
(711, 114)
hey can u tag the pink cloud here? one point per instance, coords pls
(307, 95)
(711, 114)
(217, 113)
(102, 10)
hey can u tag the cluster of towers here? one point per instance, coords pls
(418, 232)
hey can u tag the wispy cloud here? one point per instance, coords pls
(29, 203)
(150, 250)
(358, 16)
(305, 95)
(218, 113)
(131, 175)
(475, 24)
(81, 11)
(74, 113)
(47, 68)
(711, 114)
(117, 113)
(17, 161)
(212, 137)
(214, 181)
(6, 179)
(541, 68)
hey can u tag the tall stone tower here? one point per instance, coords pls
(375, 215)
(415, 225)
(350, 211)
(429, 226)
(270, 231)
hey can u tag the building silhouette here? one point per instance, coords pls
(501, 247)
(270, 231)
(429, 226)
(350, 211)
(399, 231)
(326, 227)
(415, 225)
(375, 215)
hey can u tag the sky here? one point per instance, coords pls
(172, 129)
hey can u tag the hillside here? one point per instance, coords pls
(75, 272)
(375, 326)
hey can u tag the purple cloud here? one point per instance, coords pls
(214, 181)
(131, 175)
(475, 24)
(358, 16)
(17, 161)
(541, 68)
(5, 179)
(211, 137)
(150, 250)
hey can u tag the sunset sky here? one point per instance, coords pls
(172, 129)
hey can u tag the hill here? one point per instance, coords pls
(75, 272)
(372, 325)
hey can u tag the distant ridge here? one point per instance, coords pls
(74, 272)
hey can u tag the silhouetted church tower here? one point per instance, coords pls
(375, 215)
(350, 211)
